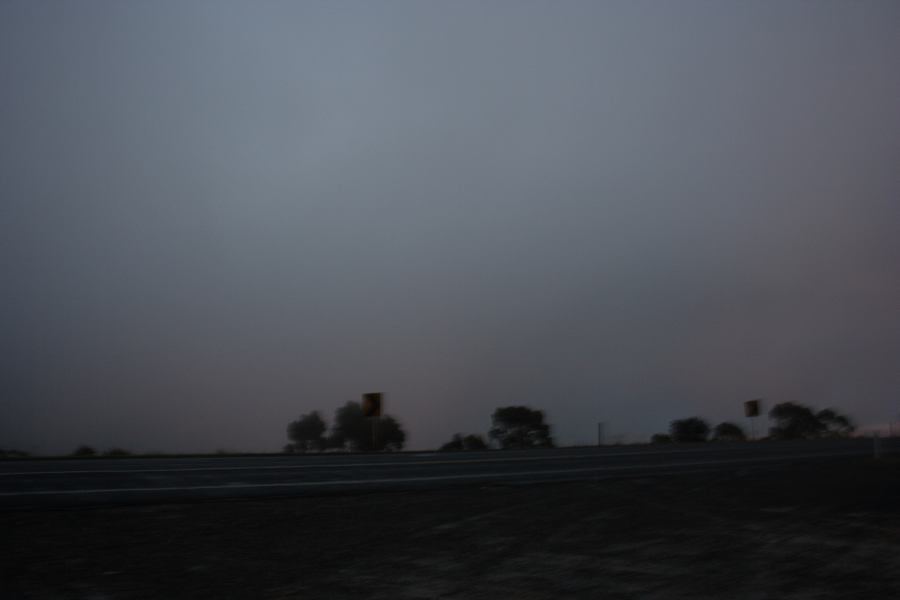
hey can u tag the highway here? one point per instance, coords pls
(70, 483)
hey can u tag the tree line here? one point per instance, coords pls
(792, 422)
(351, 430)
(512, 427)
(524, 427)
(517, 427)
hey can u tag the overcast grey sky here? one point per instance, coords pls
(216, 216)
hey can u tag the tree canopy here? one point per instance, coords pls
(728, 432)
(84, 450)
(307, 433)
(796, 421)
(390, 434)
(469, 442)
(474, 442)
(693, 429)
(350, 428)
(355, 431)
(834, 424)
(520, 427)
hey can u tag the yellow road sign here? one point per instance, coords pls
(751, 408)
(371, 404)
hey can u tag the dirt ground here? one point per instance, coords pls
(829, 531)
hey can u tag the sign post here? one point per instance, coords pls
(751, 411)
(371, 408)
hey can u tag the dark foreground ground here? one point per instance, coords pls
(795, 532)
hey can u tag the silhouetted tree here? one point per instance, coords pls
(728, 432)
(661, 438)
(390, 434)
(834, 424)
(474, 442)
(352, 429)
(84, 450)
(793, 422)
(307, 432)
(469, 442)
(520, 427)
(689, 430)
(454, 444)
(796, 421)
(335, 442)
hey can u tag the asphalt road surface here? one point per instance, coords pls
(56, 483)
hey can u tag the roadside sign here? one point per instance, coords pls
(371, 404)
(751, 408)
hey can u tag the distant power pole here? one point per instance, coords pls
(600, 433)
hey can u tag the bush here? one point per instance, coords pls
(474, 442)
(454, 444)
(520, 427)
(728, 432)
(83, 451)
(117, 452)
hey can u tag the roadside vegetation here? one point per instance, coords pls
(520, 427)
(464, 442)
(352, 431)
(12, 453)
(512, 427)
(792, 422)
